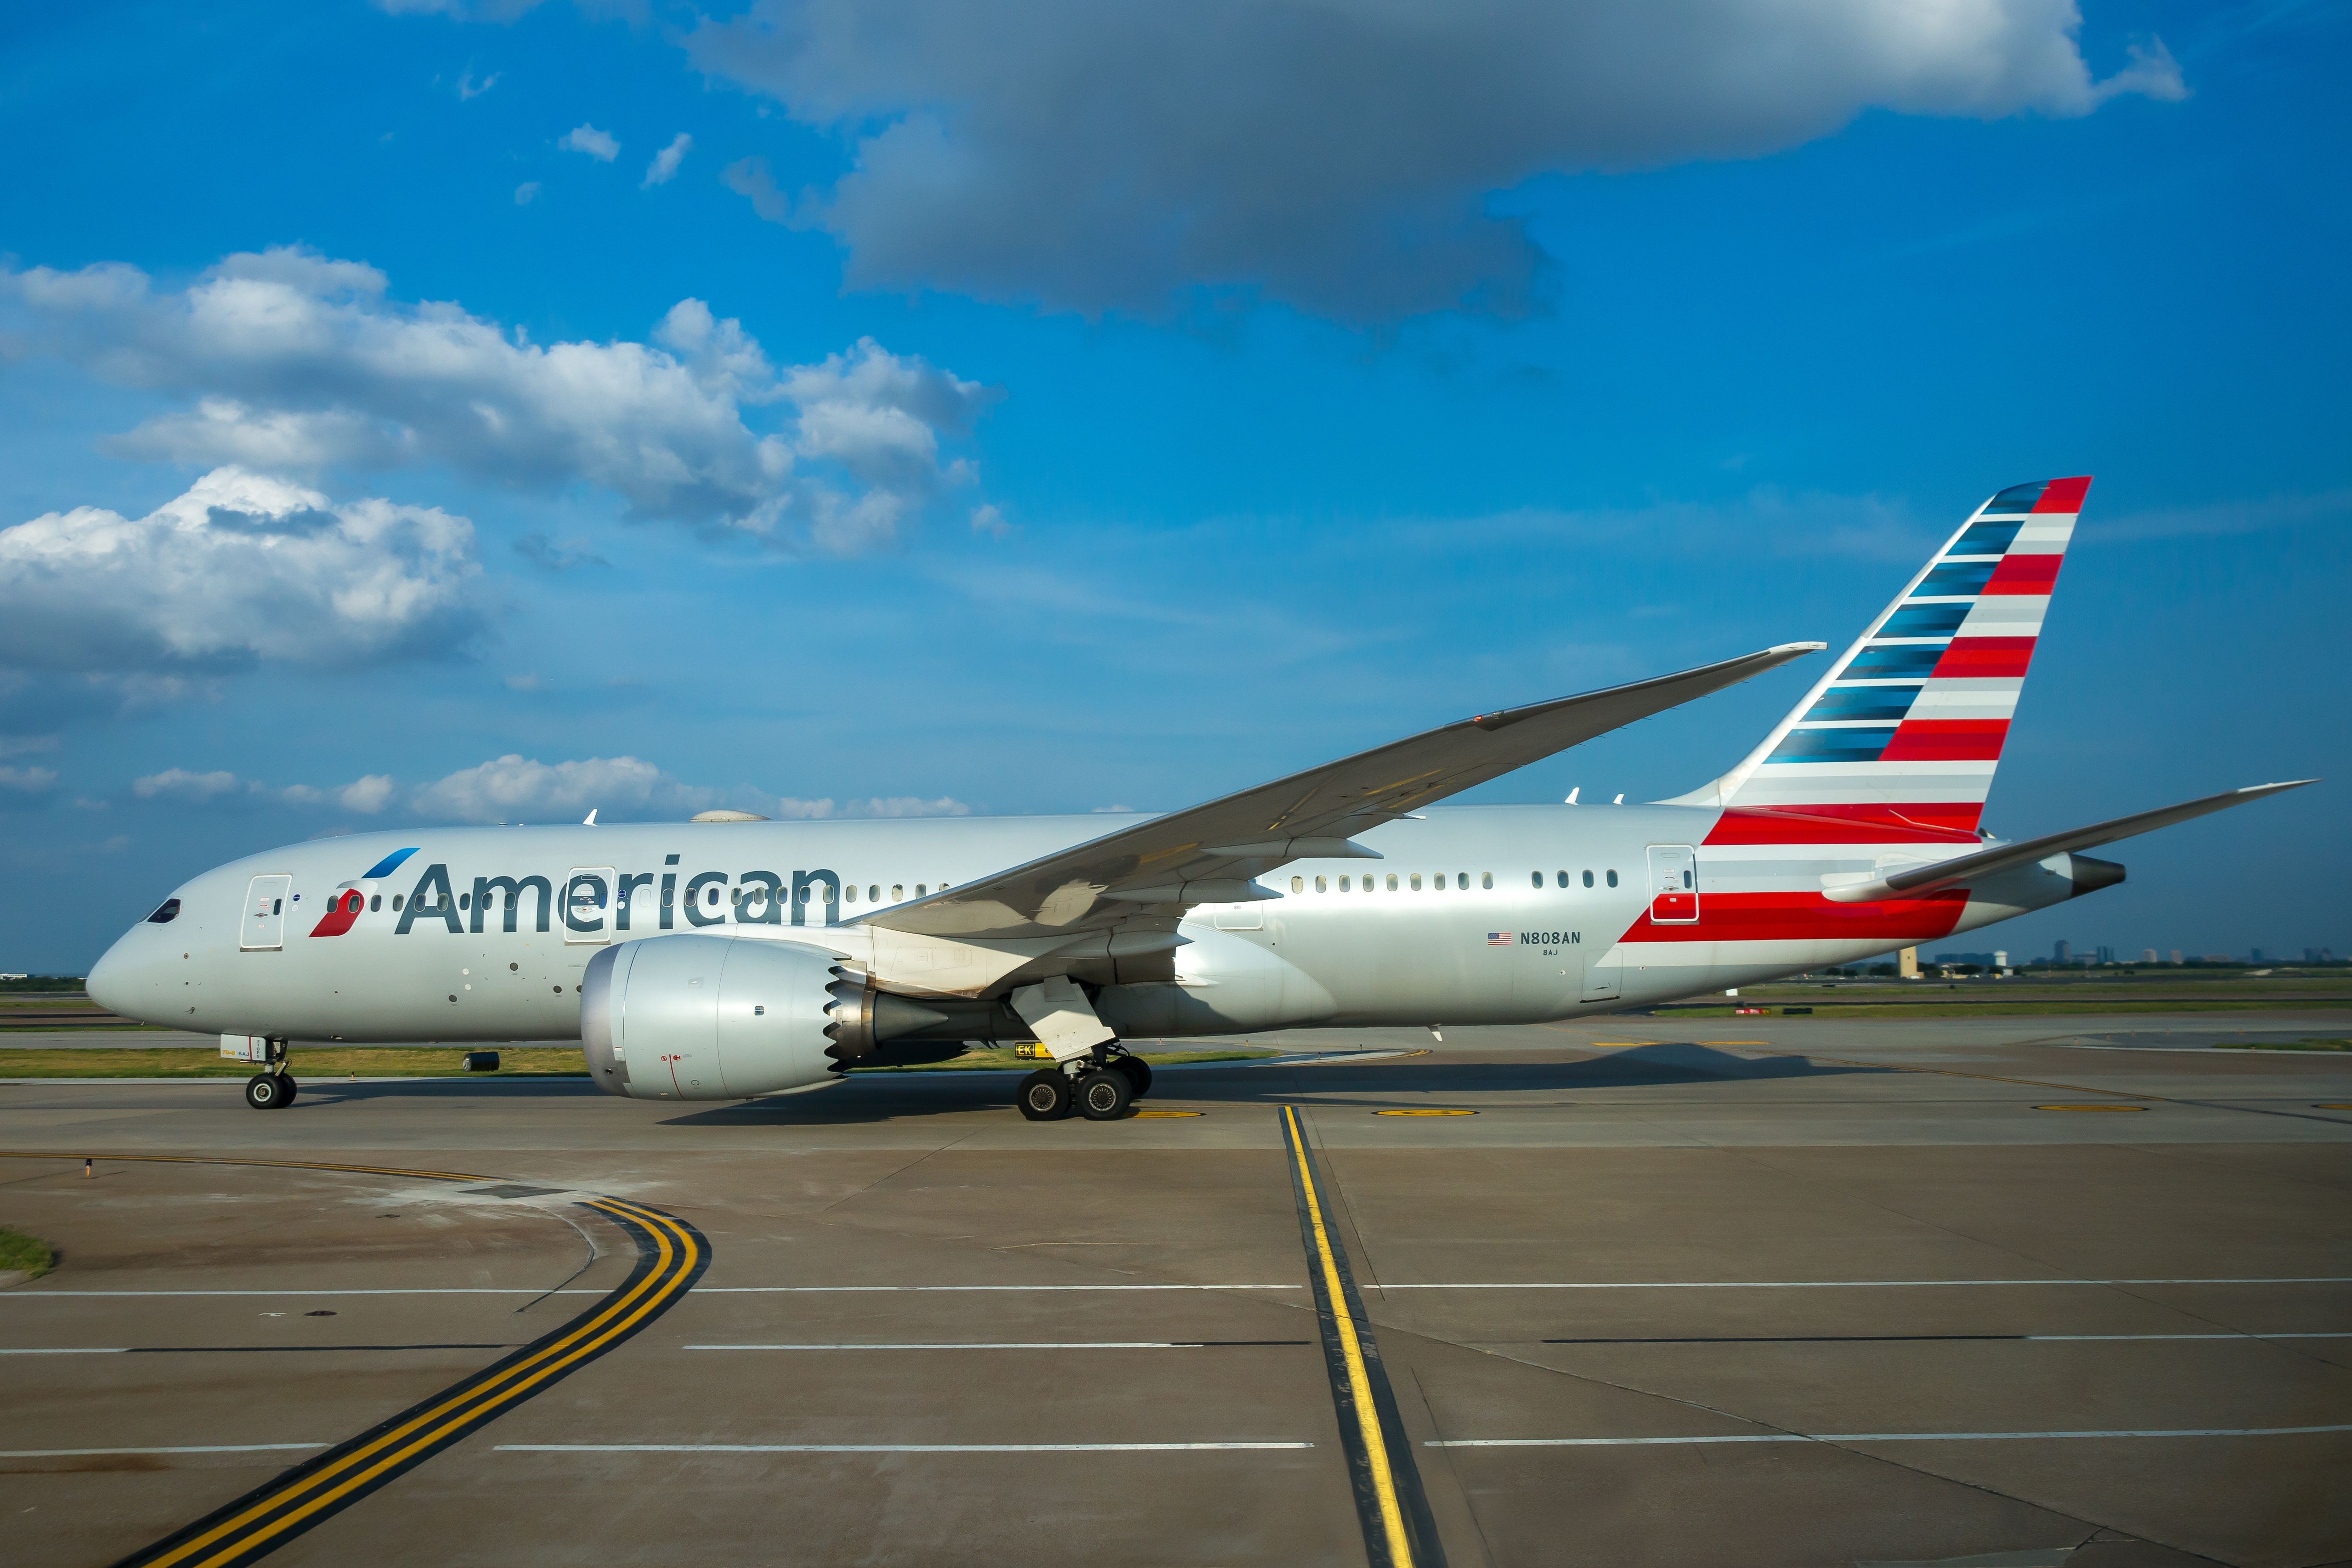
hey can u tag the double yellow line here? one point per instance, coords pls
(671, 1255)
(1360, 1408)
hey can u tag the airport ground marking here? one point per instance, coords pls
(1880, 1438)
(36, 1293)
(2039, 1083)
(102, 1454)
(2107, 1108)
(1389, 1504)
(671, 1257)
(1023, 1345)
(889, 1447)
(1425, 1110)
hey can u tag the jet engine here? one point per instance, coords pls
(706, 1018)
(714, 1018)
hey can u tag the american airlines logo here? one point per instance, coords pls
(593, 896)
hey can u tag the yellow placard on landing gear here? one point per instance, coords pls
(246, 1048)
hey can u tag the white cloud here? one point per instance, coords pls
(470, 89)
(239, 568)
(295, 362)
(598, 145)
(1100, 154)
(366, 794)
(183, 784)
(28, 781)
(990, 521)
(526, 193)
(513, 788)
(665, 162)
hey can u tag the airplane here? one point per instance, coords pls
(731, 957)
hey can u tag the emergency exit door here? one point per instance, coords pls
(1674, 884)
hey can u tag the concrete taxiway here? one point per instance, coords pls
(1755, 1290)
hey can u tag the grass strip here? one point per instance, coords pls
(2008, 1009)
(308, 1063)
(27, 1254)
(325, 1063)
(1000, 1058)
(2283, 1044)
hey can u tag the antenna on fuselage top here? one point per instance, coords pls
(1572, 794)
(588, 820)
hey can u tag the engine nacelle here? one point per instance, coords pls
(708, 1017)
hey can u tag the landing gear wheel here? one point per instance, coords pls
(1045, 1096)
(1103, 1094)
(1137, 1071)
(264, 1092)
(286, 1081)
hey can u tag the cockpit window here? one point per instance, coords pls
(165, 912)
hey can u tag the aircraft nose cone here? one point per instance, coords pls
(120, 980)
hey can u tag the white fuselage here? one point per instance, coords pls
(1473, 914)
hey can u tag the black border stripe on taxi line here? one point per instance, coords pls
(1398, 1531)
(671, 1257)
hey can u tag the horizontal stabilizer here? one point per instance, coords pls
(2007, 857)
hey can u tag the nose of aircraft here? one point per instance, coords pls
(122, 980)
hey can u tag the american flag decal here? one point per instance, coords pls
(1498, 939)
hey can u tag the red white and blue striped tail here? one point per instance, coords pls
(1900, 739)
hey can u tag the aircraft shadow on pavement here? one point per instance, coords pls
(884, 1097)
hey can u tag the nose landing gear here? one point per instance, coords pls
(1099, 1086)
(274, 1088)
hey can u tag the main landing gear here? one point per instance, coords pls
(274, 1088)
(1099, 1086)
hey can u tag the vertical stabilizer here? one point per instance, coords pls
(1905, 731)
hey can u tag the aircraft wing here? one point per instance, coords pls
(1144, 877)
(2007, 857)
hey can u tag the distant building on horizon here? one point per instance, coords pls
(2061, 952)
(2176, 956)
(2147, 955)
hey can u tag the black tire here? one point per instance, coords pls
(1045, 1096)
(1103, 1095)
(286, 1082)
(1137, 1071)
(263, 1092)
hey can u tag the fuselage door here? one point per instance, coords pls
(1674, 884)
(263, 929)
(587, 904)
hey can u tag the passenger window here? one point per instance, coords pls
(920, 888)
(1346, 886)
(1462, 881)
(1487, 880)
(1563, 878)
(1416, 881)
(874, 894)
(1392, 881)
(1319, 886)
(1535, 878)
(1612, 878)
(464, 901)
(375, 903)
(898, 891)
(850, 894)
(1298, 884)
(395, 903)
(1588, 879)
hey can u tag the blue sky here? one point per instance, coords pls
(1111, 409)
